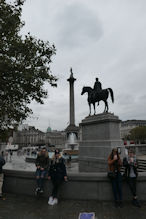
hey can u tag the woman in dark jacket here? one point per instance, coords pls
(115, 163)
(57, 174)
(42, 165)
(130, 163)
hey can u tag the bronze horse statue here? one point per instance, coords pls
(94, 97)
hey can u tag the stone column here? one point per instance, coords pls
(71, 81)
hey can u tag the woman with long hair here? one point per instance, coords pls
(115, 163)
(57, 174)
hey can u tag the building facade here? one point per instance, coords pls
(29, 137)
(55, 138)
(127, 126)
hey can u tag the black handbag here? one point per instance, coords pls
(111, 175)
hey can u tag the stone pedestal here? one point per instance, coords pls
(98, 135)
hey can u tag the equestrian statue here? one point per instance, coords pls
(97, 94)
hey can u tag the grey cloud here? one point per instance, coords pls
(125, 99)
(77, 26)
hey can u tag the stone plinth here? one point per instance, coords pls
(98, 134)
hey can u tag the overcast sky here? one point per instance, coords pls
(97, 38)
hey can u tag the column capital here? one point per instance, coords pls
(71, 79)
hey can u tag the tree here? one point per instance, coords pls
(138, 134)
(24, 66)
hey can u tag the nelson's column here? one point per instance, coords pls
(72, 130)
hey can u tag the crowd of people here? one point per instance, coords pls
(7, 155)
(55, 170)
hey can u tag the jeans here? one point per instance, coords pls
(56, 184)
(132, 185)
(40, 175)
(117, 187)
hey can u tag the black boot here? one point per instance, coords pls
(120, 204)
(116, 204)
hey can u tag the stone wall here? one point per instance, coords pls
(81, 186)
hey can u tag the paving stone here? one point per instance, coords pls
(25, 207)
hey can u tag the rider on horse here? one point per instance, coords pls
(97, 86)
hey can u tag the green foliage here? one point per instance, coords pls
(138, 133)
(24, 66)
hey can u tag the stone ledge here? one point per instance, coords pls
(81, 186)
(71, 176)
(101, 176)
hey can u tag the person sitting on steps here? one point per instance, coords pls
(57, 174)
(42, 165)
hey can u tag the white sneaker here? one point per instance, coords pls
(55, 201)
(37, 189)
(50, 200)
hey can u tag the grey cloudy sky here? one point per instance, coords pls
(98, 38)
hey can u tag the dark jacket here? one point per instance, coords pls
(57, 169)
(2, 163)
(128, 166)
(42, 161)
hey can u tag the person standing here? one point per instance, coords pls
(130, 163)
(57, 174)
(69, 159)
(2, 163)
(115, 163)
(42, 165)
(3, 154)
(11, 154)
(6, 156)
